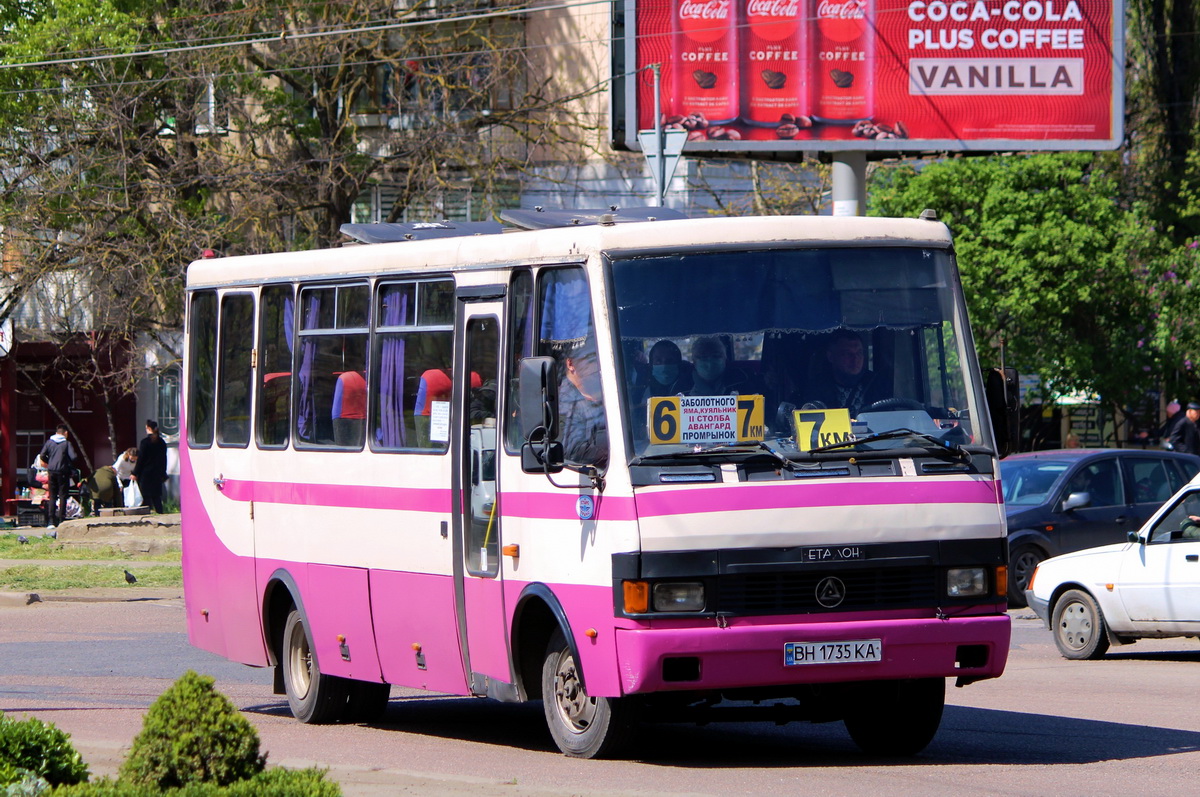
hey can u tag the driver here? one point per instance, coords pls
(844, 380)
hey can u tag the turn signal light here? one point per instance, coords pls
(1002, 581)
(637, 597)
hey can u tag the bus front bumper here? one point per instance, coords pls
(753, 653)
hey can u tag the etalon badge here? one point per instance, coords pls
(831, 592)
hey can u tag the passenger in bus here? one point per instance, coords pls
(843, 380)
(435, 386)
(669, 374)
(711, 373)
(349, 409)
(584, 429)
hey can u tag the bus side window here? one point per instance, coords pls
(331, 377)
(202, 368)
(236, 380)
(411, 362)
(275, 345)
(520, 345)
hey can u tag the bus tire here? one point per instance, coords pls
(313, 697)
(894, 718)
(582, 726)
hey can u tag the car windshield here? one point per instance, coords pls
(787, 352)
(1029, 482)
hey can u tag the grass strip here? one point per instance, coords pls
(48, 548)
(46, 577)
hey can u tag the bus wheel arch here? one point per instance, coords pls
(537, 617)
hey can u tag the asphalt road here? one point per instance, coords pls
(1126, 724)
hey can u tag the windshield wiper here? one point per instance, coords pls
(749, 447)
(927, 441)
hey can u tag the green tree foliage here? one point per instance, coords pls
(39, 748)
(1163, 113)
(192, 733)
(1044, 249)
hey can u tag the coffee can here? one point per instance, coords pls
(844, 64)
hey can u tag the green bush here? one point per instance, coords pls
(192, 733)
(269, 783)
(42, 749)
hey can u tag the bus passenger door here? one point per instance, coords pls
(479, 594)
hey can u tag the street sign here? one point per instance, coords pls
(672, 147)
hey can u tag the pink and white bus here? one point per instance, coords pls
(641, 469)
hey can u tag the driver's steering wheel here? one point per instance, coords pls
(894, 404)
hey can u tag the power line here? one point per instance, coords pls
(285, 35)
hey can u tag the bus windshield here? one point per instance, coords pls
(798, 350)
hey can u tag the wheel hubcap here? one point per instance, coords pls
(1076, 626)
(574, 706)
(299, 662)
(1022, 568)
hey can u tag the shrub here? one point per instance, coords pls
(42, 749)
(269, 783)
(193, 733)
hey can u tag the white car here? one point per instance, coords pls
(1117, 594)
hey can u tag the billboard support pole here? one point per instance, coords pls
(660, 162)
(849, 183)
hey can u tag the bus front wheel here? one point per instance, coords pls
(895, 717)
(582, 726)
(312, 696)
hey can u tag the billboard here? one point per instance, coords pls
(878, 75)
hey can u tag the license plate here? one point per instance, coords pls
(849, 652)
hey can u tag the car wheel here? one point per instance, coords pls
(890, 718)
(1078, 624)
(582, 726)
(1021, 564)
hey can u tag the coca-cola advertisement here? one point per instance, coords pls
(888, 75)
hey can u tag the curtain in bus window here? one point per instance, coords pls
(566, 307)
(390, 431)
(275, 364)
(306, 412)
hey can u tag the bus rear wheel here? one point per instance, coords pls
(313, 697)
(890, 718)
(582, 726)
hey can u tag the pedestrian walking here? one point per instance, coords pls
(150, 470)
(59, 456)
(1185, 437)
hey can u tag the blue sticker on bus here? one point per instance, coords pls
(584, 507)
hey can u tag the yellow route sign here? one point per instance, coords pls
(818, 428)
(705, 419)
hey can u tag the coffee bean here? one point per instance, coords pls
(843, 80)
(773, 79)
(787, 131)
(705, 80)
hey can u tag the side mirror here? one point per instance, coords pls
(537, 416)
(1076, 501)
(1133, 536)
(1003, 392)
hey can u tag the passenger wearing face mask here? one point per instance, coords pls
(583, 427)
(711, 373)
(668, 374)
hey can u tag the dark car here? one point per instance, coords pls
(1063, 501)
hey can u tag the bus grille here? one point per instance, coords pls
(796, 593)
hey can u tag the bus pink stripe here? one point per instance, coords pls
(341, 495)
(864, 493)
(562, 505)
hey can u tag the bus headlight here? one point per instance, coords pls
(962, 582)
(687, 596)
